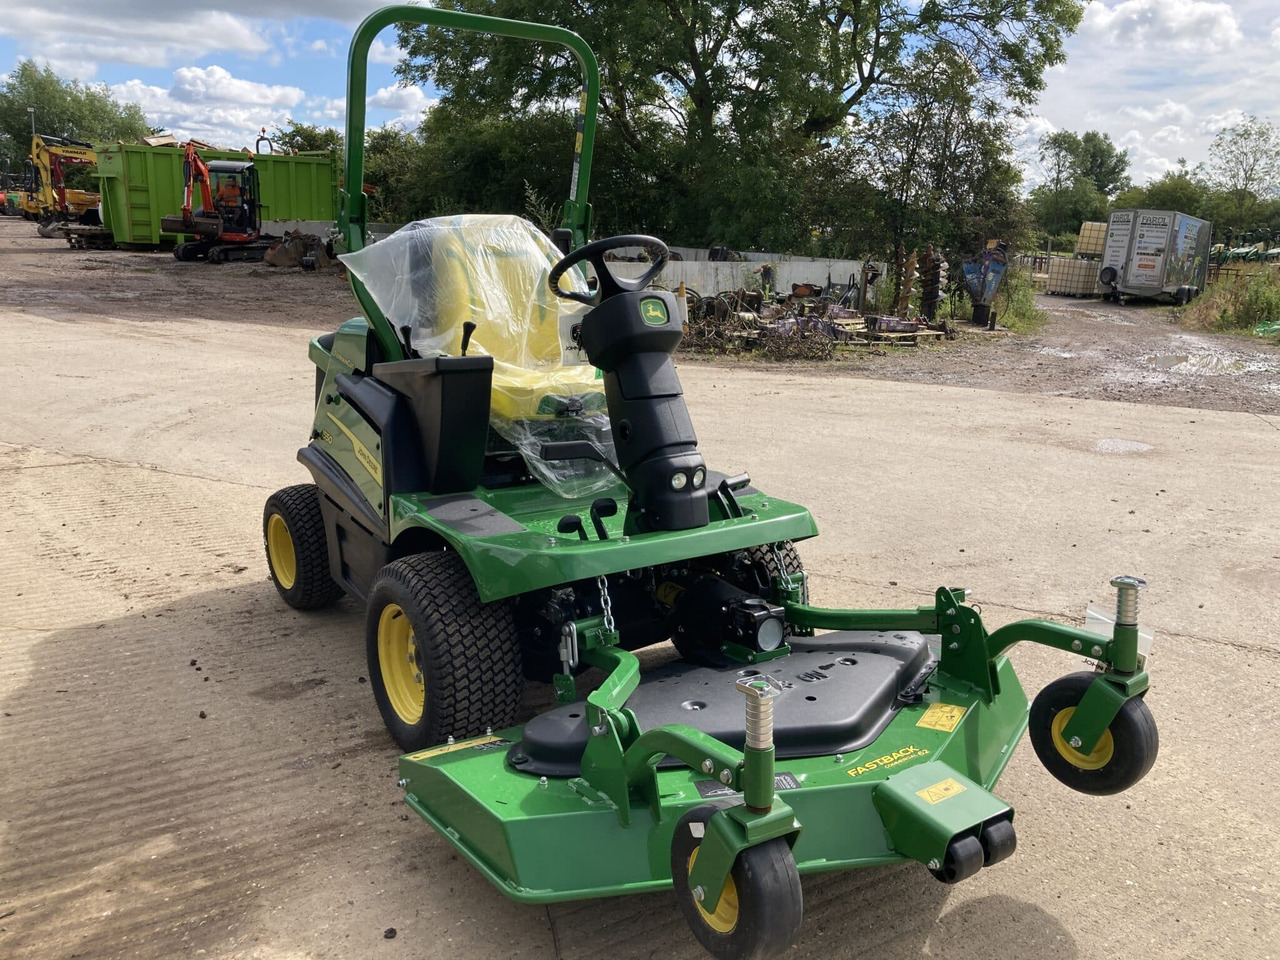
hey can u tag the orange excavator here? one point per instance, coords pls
(227, 225)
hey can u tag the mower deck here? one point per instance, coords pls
(843, 688)
(543, 840)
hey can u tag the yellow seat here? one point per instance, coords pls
(491, 270)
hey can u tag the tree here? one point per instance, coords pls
(304, 137)
(1244, 163)
(715, 97)
(63, 108)
(1104, 163)
(1069, 195)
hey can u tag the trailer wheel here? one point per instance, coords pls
(1120, 759)
(297, 551)
(441, 663)
(761, 908)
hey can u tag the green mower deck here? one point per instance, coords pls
(923, 782)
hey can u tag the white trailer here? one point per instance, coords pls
(1156, 253)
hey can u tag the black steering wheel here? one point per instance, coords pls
(607, 284)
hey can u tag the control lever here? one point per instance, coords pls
(580, 450)
(572, 523)
(468, 329)
(406, 337)
(725, 494)
(604, 507)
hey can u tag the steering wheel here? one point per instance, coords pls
(607, 284)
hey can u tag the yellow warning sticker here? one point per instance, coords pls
(451, 747)
(940, 791)
(941, 716)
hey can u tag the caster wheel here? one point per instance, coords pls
(1120, 759)
(761, 908)
(297, 551)
(964, 858)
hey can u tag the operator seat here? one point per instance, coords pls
(435, 275)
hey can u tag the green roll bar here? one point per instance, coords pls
(353, 209)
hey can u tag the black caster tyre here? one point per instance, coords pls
(297, 552)
(441, 663)
(1123, 756)
(759, 912)
(963, 859)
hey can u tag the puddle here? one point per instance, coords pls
(1195, 363)
(1055, 352)
(1117, 446)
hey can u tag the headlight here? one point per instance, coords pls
(699, 478)
(679, 481)
(769, 634)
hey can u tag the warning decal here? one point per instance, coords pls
(940, 791)
(941, 716)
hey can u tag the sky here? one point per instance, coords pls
(1162, 77)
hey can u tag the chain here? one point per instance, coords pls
(606, 605)
(781, 561)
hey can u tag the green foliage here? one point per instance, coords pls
(1106, 166)
(63, 108)
(1244, 164)
(298, 137)
(1016, 303)
(1241, 303)
(718, 119)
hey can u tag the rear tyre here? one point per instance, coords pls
(762, 906)
(1123, 756)
(297, 550)
(441, 663)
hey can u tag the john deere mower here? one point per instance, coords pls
(507, 477)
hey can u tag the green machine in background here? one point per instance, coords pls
(507, 478)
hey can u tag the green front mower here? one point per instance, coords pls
(506, 475)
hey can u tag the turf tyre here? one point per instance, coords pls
(311, 586)
(467, 652)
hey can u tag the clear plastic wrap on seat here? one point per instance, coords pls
(435, 275)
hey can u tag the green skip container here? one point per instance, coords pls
(140, 185)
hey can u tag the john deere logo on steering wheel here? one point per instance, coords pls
(654, 312)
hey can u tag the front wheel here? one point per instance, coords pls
(1122, 757)
(441, 663)
(761, 908)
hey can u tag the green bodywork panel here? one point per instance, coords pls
(542, 842)
(514, 563)
(507, 564)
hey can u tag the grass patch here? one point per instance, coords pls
(1237, 305)
(1016, 303)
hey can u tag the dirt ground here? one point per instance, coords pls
(192, 769)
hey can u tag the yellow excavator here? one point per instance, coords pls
(62, 211)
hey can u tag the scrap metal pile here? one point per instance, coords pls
(810, 323)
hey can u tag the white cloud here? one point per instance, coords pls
(210, 104)
(380, 52)
(403, 99)
(216, 85)
(1203, 26)
(1166, 111)
(76, 39)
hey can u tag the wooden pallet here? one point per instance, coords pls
(905, 339)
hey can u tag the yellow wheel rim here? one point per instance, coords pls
(398, 661)
(284, 562)
(1096, 760)
(725, 917)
